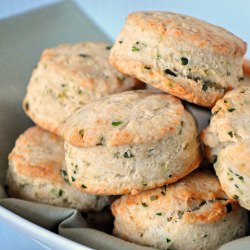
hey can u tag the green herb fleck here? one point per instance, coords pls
(116, 155)
(108, 47)
(144, 184)
(236, 197)
(213, 159)
(158, 214)
(128, 154)
(81, 132)
(230, 134)
(153, 197)
(168, 240)
(79, 91)
(26, 106)
(138, 46)
(241, 178)
(231, 110)
(184, 61)
(73, 178)
(101, 141)
(121, 78)
(240, 78)
(60, 193)
(120, 41)
(83, 186)
(215, 112)
(147, 67)
(144, 204)
(170, 72)
(83, 55)
(116, 123)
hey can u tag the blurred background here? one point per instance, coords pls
(109, 15)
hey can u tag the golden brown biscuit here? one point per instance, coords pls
(37, 173)
(131, 141)
(66, 78)
(191, 214)
(186, 57)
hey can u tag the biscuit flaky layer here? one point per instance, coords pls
(227, 141)
(66, 78)
(186, 57)
(37, 173)
(191, 214)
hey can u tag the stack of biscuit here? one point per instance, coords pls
(142, 144)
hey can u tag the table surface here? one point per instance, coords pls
(110, 16)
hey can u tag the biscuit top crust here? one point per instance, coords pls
(38, 154)
(198, 198)
(185, 28)
(230, 119)
(132, 117)
(87, 64)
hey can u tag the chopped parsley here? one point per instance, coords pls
(158, 214)
(128, 154)
(236, 197)
(147, 67)
(83, 186)
(144, 204)
(138, 46)
(170, 72)
(83, 55)
(231, 110)
(81, 132)
(116, 123)
(60, 193)
(73, 178)
(168, 240)
(26, 106)
(108, 47)
(184, 61)
(153, 197)
(230, 134)
(213, 159)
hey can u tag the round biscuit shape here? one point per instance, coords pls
(186, 57)
(66, 78)
(114, 170)
(37, 173)
(191, 214)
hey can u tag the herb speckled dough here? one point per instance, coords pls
(129, 142)
(227, 141)
(192, 214)
(186, 57)
(66, 78)
(37, 173)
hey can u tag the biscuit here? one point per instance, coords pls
(246, 70)
(131, 141)
(66, 78)
(191, 214)
(186, 57)
(227, 132)
(37, 173)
